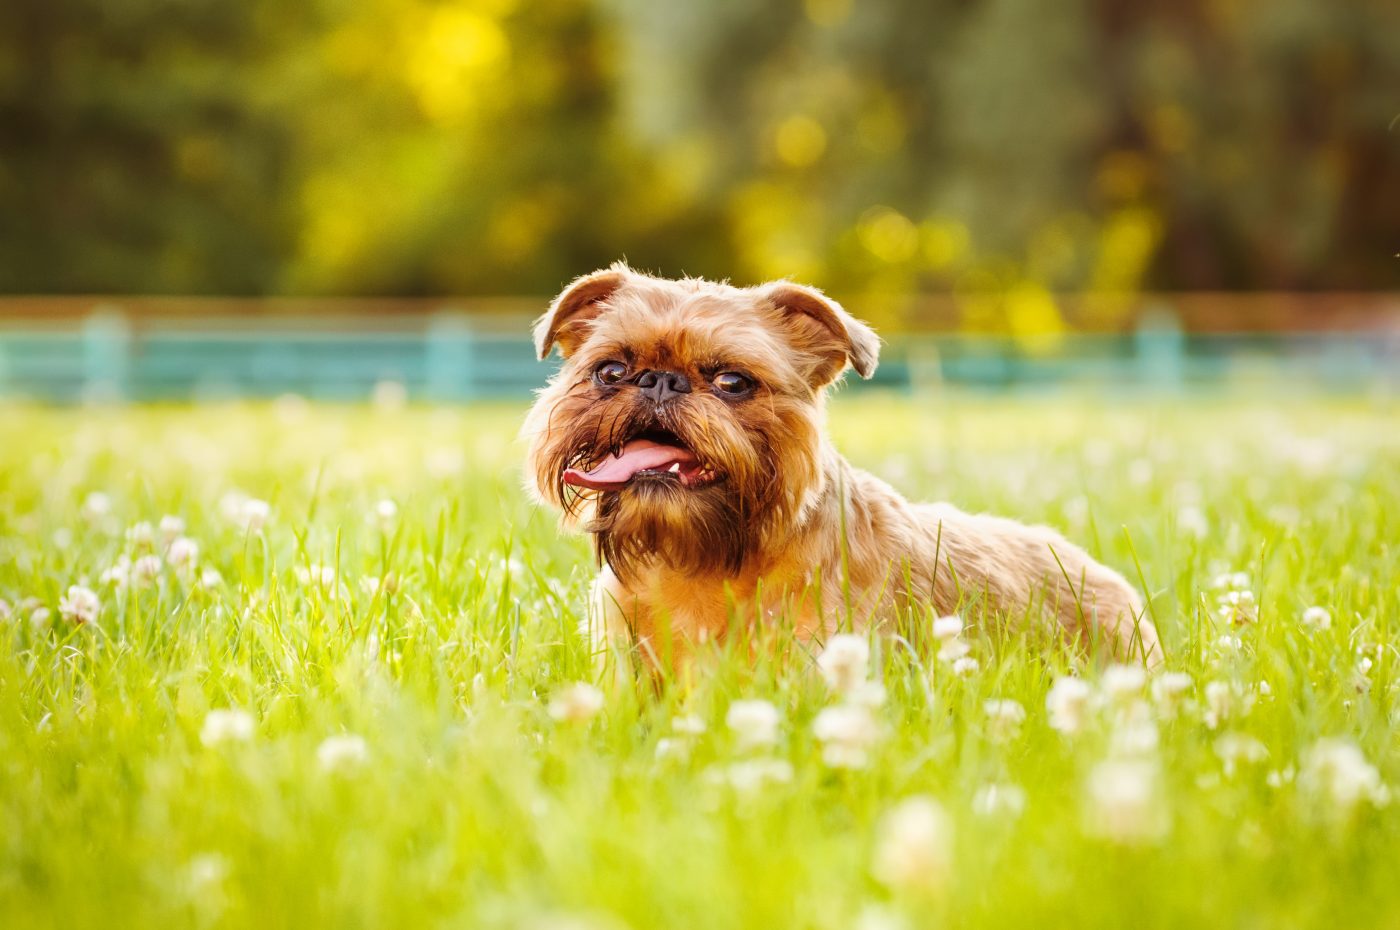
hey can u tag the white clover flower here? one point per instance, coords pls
(1122, 802)
(1229, 645)
(1317, 618)
(141, 535)
(385, 513)
(119, 574)
(247, 513)
(845, 662)
(672, 747)
(914, 847)
(965, 667)
(1123, 683)
(953, 650)
(1236, 607)
(338, 753)
(6, 612)
(847, 732)
(754, 723)
(145, 570)
(1232, 581)
(1068, 703)
(1004, 718)
(40, 618)
(992, 800)
(688, 725)
(171, 528)
(868, 694)
(210, 578)
(96, 506)
(1336, 772)
(1134, 731)
(1236, 749)
(753, 775)
(577, 703)
(1224, 701)
(1168, 689)
(316, 575)
(226, 726)
(949, 627)
(79, 605)
(182, 553)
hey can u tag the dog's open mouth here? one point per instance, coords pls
(655, 455)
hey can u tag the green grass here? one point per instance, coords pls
(474, 807)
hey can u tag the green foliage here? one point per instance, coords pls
(459, 792)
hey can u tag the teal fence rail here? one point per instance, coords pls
(455, 357)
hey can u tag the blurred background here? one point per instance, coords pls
(203, 198)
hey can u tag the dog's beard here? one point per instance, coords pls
(763, 467)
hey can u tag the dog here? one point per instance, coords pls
(684, 433)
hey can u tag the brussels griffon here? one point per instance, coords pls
(684, 433)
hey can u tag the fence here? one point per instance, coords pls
(453, 355)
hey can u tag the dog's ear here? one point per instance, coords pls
(579, 303)
(820, 327)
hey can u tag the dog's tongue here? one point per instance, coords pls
(638, 455)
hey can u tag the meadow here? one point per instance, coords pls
(290, 665)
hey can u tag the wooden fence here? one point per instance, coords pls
(455, 355)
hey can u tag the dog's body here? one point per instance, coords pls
(689, 414)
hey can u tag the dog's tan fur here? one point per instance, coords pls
(793, 532)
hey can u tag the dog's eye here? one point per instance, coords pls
(732, 383)
(610, 372)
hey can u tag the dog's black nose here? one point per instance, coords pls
(659, 385)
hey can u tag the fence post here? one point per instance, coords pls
(450, 341)
(1161, 347)
(106, 354)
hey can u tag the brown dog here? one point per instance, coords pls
(685, 434)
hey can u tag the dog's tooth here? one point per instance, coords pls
(675, 468)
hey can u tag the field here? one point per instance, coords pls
(327, 676)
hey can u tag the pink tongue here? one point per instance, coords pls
(616, 470)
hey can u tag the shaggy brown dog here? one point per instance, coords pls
(685, 434)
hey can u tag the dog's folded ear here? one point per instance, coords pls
(580, 302)
(822, 329)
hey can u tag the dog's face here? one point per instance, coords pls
(685, 424)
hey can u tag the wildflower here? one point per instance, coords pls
(141, 535)
(1004, 719)
(337, 753)
(182, 554)
(1134, 731)
(1067, 704)
(39, 618)
(171, 528)
(1317, 618)
(321, 576)
(1123, 683)
(914, 846)
(96, 506)
(385, 513)
(1224, 701)
(1122, 804)
(688, 725)
(671, 747)
(1336, 772)
(248, 513)
(846, 732)
(1168, 689)
(844, 662)
(965, 667)
(870, 694)
(751, 775)
(754, 723)
(6, 612)
(79, 605)
(145, 570)
(1229, 645)
(953, 650)
(226, 726)
(994, 799)
(1232, 581)
(1236, 607)
(577, 703)
(210, 578)
(1237, 748)
(118, 575)
(949, 627)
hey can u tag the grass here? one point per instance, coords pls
(468, 804)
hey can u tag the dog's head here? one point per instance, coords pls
(685, 424)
